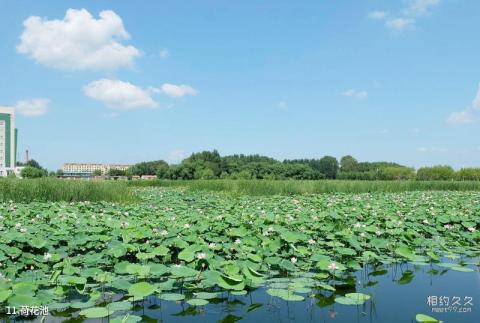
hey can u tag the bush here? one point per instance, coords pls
(468, 174)
(396, 173)
(32, 172)
(435, 173)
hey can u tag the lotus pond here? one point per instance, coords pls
(180, 256)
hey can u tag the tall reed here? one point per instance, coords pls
(274, 187)
(50, 189)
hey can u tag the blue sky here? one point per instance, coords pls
(122, 82)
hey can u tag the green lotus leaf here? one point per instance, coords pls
(119, 306)
(95, 312)
(197, 302)
(161, 251)
(358, 296)
(172, 297)
(121, 284)
(285, 294)
(126, 319)
(79, 305)
(349, 301)
(205, 295)
(425, 319)
(405, 252)
(23, 300)
(462, 269)
(4, 294)
(183, 271)
(141, 290)
(25, 288)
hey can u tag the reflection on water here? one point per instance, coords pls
(399, 292)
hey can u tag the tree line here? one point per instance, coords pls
(210, 165)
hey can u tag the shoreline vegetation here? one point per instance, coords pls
(211, 165)
(52, 189)
(207, 165)
(291, 187)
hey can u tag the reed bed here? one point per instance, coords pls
(51, 189)
(289, 187)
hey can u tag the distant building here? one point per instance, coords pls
(86, 170)
(8, 141)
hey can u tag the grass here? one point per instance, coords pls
(288, 187)
(50, 189)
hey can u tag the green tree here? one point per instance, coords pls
(468, 174)
(395, 173)
(97, 172)
(435, 173)
(163, 171)
(328, 166)
(33, 163)
(147, 168)
(116, 172)
(348, 164)
(32, 172)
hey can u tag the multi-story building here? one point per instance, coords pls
(84, 169)
(8, 141)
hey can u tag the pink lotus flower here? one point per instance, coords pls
(333, 266)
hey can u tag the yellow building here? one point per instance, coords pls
(84, 169)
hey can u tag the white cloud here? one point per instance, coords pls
(355, 94)
(470, 115)
(282, 105)
(177, 91)
(32, 108)
(476, 101)
(164, 53)
(422, 7)
(78, 41)
(377, 14)
(121, 95)
(400, 24)
(462, 117)
(407, 17)
(177, 155)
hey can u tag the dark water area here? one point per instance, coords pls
(398, 293)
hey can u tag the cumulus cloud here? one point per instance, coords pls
(177, 91)
(406, 19)
(400, 24)
(377, 14)
(33, 107)
(469, 115)
(164, 53)
(121, 95)
(462, 117)
(355, 94)
(422, 7)
(78, 41)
